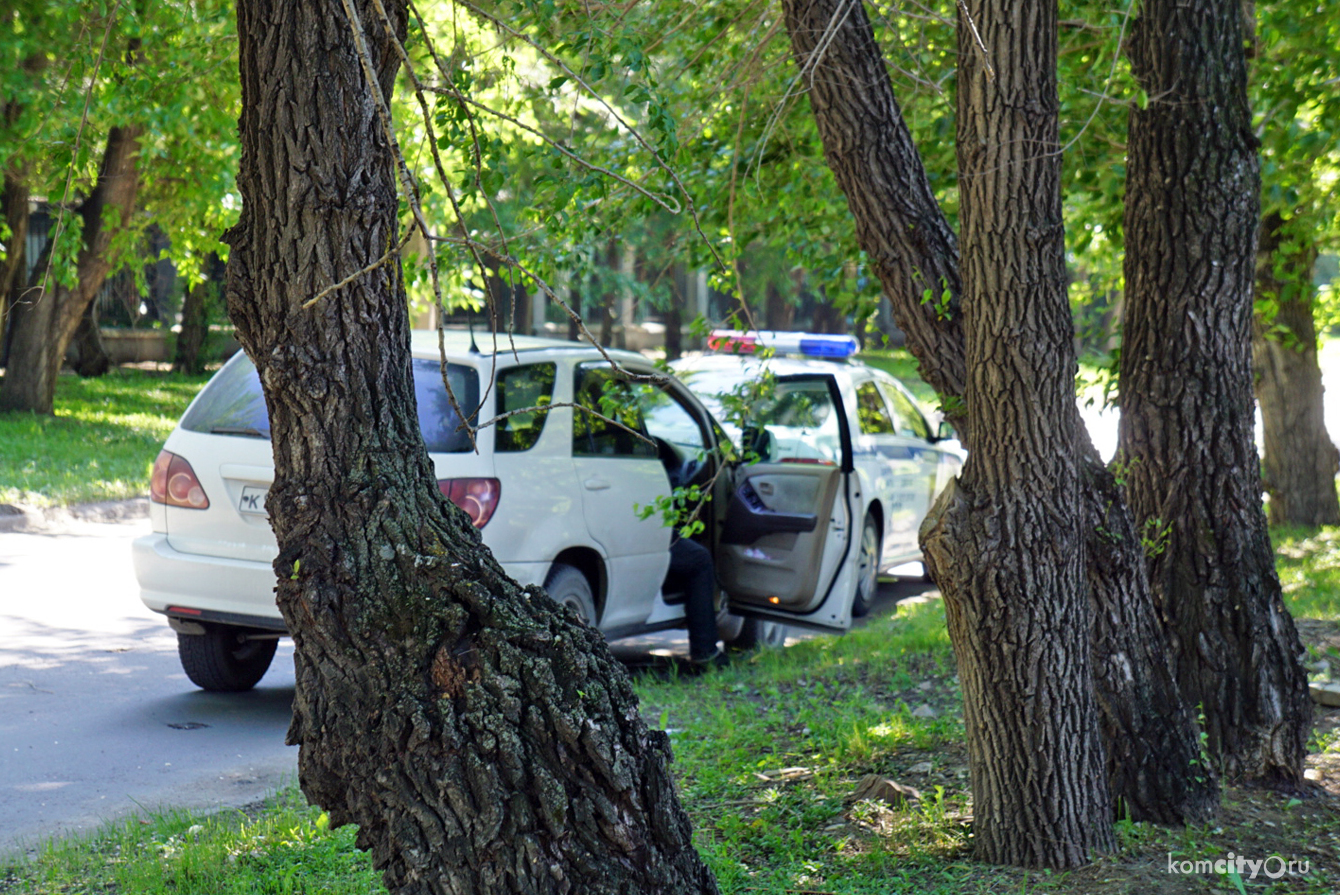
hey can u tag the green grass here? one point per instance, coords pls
(284, 849)
(99, 445)
(1308, 560)
(770, 751)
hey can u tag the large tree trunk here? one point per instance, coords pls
(779, 313)
(45, 322)
(189, 355)
(1005, 547)
(674, 313)
(482, 740)
(91, 358)
(1186, 442)
(14, 208)
(1151, 739)
(14, 196)
(1300, 460)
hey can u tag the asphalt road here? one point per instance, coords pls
(96, 717)
(98, 721)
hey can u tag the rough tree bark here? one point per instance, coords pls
(1005, 547)
(482, 740)
(1193, 475)
(1299, 461)
(1150, 735)
(45, 321)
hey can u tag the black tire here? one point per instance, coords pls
(222, 660)
(567, 586)
(756, 633)
(867, 570)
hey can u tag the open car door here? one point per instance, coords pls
(784, 547)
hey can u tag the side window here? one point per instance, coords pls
(665, 418)
(598, 388)
(531, 385)
(871, 412)
(910, 421)
(438, 420)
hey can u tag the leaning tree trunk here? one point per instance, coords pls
(1300, 460)
(1151, 739)
(1005, 547)
(483, 741)
(45, 322)
(1186, 442)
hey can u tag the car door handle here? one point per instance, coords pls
(596, 483)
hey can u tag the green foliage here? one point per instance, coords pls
(99, 445)
(70, 72)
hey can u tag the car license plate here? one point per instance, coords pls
(252, 501)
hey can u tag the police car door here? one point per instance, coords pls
(784, 549)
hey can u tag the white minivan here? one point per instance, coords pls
(555, 494)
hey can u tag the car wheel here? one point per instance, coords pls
(567, 586)
(867, 570)
(223, 660)
(755, 633)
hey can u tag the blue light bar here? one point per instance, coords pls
(828, 346)
(805, 344)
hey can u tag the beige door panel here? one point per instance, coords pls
(772, 540)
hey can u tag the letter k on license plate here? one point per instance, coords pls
(252, 501)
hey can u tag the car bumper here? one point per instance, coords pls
(221, 587)
(212, 583)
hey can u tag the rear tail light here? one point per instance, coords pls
(173, 483)
(478, 497)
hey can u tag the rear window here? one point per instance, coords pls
(232, 403)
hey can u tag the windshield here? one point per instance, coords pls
(798, 414)
(232, 403)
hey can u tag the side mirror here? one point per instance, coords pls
(945, 432)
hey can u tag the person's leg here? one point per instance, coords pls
(691, 562)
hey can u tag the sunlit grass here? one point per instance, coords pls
(1308, 560)
(99, 445)
(286, 848)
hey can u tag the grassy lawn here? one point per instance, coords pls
(99, 445)
(769, 755)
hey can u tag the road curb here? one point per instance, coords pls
(36, 519)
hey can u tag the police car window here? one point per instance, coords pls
(802, 421)
(531, 385)
(910, 421)
(232, 403)
(666, 418)
(871, 412)
(598, 388)
(798, 414)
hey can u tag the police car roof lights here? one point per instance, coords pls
(736, 341)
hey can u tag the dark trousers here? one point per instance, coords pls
(691, 563)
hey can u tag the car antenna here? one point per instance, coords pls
(470, 320)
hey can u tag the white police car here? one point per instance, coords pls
(843, 437)
(554, 494)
